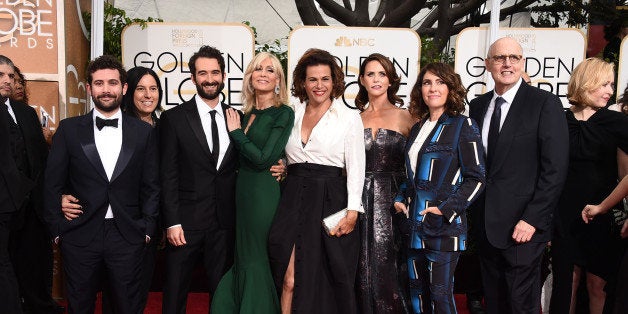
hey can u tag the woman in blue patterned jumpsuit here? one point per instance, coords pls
(445, 173)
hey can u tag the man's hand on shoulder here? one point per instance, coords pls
(523, 232)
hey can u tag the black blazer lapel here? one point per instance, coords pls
(129, 142)
(86, 138)
(484, 102)
(509, 128)
(33, 137)
(194, 120)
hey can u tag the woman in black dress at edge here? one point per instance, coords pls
(142, 101)
(380, 287)
(314, 271)
(445, 173)
(595, 135)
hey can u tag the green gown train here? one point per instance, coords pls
(248, 286)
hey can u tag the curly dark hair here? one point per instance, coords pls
(455, 98)
(105, 62)
(207, 52)
(362, 98)
(312, 57)
(134, 76)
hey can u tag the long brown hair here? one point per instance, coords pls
(362, 98)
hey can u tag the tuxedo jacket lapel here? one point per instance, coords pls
(86, 138)
(509, 128)
(194, 121)
(128, 148)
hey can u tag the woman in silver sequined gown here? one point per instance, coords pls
(380, 283)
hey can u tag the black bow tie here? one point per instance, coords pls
(101, 123)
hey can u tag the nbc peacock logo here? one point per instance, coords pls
(344, 41)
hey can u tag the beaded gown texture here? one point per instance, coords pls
(380, 280)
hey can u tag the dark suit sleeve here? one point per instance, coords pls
(150, 184)
(55, 179)
(37, 150)
(266, 156)
(169, 174)
(553, 146)
(472, 170)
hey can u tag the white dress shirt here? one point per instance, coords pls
(108, 143)
(336, 140)
(11, 113)
(206, 121)
(424, 132)
(508, 96)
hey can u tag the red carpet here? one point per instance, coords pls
(198, 303)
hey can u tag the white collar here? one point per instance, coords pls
(203, 108)
(509, 95)
(116, 115)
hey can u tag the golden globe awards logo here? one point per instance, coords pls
(27, 24)
(344, 41)
(187, 37)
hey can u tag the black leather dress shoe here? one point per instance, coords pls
(475, 307)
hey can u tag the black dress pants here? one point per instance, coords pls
(9, 297)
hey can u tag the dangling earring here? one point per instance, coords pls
(277, 89)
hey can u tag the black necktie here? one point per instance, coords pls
(101, 123)
(215, 140)
(493, 130)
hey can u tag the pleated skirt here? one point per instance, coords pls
(325, 266)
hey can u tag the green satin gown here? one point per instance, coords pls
(248, 286)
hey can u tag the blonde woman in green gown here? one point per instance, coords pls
(260, 137)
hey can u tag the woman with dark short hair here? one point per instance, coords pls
(314, 269)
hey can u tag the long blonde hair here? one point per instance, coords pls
(248, 93)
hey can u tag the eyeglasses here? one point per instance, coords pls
(514, 59)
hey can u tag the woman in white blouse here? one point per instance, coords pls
(314, 270)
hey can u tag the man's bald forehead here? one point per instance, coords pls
(505, 42)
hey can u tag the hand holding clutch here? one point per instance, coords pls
(341, 222)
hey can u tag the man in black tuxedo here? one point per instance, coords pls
(23, 153)
(29, 241)
(198, 173)
(524, 132)
(110, 163)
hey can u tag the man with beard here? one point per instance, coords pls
(23, 153)
(198, 172)
(110, 163)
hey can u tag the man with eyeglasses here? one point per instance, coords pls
(524, 133)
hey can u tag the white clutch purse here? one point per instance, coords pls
(330, 222)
